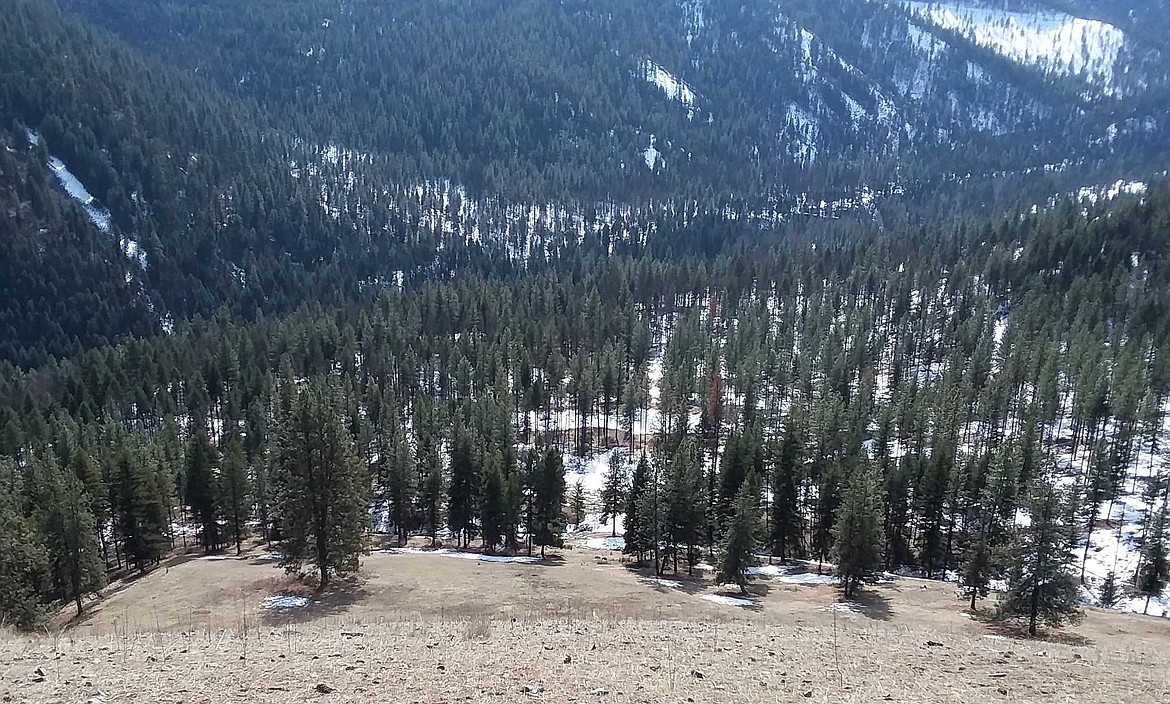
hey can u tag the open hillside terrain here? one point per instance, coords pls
(581, 626)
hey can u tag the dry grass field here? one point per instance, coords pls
(580, 627)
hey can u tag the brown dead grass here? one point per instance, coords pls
(583, 628)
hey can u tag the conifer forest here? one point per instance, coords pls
(263, 282)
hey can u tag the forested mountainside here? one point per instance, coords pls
(245, 161)
(863, 264)
(617, 100)
(960, 373)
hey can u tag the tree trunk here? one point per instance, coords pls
(974, 596)
(77, 598)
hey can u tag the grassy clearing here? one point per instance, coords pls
(584, 627)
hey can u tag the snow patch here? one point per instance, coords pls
(618, 543)
(515, 559)
(651, 156)
(674, 87)
(728, 600)
(658, 581)
(98, 215)
(285, 601)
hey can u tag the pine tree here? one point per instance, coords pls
(548, 497)
(787, 525)
(1041, 589)
(71, 538)
(322, 490)
(140, 509)
(683, 504)
(24, 561)
(493, 509)
(401, 487)
(577, 504)
(203, 490)
(639, 532)
(430, 501)
(1155, 570)
(1110, 594)
(613, 491)
(236, 498)
(857, 533)
(86, 470)
(977, 569)
(737, 554)
(463, 488)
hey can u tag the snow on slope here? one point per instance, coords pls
(1054, 42)
(97, 214)
(675, 88)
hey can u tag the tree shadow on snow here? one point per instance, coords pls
(335, 599)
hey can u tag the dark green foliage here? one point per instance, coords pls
(1041, 586)
(203, 490)
(857, 532)
(640, 530)
(139, 508)
(322, 491)
(737, 553)
(682, 517)
(977, 569)
(1154, 573)
(493, 508)
(787, 524)
(614, 490)
(463, 485)
(24, 562)
(548, 497)
(1110, 593)
(234, 490)
(71, 540)
(577, 504)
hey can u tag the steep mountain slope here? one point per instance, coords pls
(307, 151)
(613, 100)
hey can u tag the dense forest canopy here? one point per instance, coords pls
(814, 280)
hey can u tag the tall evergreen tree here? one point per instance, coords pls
(737, 554)
(235, 493)
(786, 522)
(203, 489)
(1155, 570)
(493, 509)
(72, 541)
(401, 487)
(683, 504)
(613, 491)
(857, 533)
(463, 487)
(639, 531)
(548, 498)
(1041, 587)
(24, 562)
(577, 504)
(322, 489)
(141, 509)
